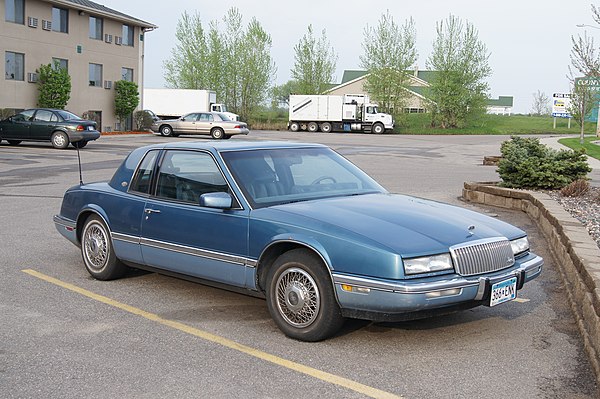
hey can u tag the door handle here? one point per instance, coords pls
(149, 211)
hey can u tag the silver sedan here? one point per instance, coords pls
(215, 124)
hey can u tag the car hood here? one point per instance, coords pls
(406, 225)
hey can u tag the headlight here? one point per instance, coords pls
(428, 264)
(519, 245)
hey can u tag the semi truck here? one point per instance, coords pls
(173, 103)
(331, 113)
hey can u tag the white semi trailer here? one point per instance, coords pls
(173, 103)
(347, 113)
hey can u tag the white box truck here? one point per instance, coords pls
(350, 112)
(173, 103)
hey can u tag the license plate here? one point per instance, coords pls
(90, 128)
(503, 291)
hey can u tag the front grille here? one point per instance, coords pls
(482, 256)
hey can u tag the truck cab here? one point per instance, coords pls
(223, 110)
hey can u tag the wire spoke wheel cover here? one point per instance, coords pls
(95, 247)
(298, 298)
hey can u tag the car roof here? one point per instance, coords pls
(237, 145)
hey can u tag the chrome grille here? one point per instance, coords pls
(482, 256)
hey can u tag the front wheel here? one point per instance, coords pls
(97, 251)
(300, 297)
(378, 128)
(60, 140)
(166, 131)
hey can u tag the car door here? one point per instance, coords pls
(42, 124)
(18, 126)
(179, 235)
(205, 123)
(187, 124)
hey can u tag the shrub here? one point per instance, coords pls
(528, 164)
(576, 188)
(143, 120)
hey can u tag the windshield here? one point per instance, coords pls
(279, 176)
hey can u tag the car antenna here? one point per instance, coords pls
(79, 162)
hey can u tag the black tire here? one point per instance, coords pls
(97, 251)
(378, 128)
(294, 126)
(312, 127)
(14, 142)
(60, 140)
(326, 127)
(301, 298)
(217, 133)
(79, 144)
(166, 131)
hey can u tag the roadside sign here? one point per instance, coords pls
(593, 83)
(560, 105)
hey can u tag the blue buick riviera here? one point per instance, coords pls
(299, 225)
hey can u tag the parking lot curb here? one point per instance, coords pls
(576, 253)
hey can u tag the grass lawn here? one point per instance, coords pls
(593, 150)
(493, 124)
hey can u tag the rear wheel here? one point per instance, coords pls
(326, 127)
(217, 133)
(300, 297)
(97, 251)
(294, 126)
(378, 128)
(313, 127)
(60, 140)
(166, 131)
(14, 142)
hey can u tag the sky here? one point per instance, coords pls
(529, 41)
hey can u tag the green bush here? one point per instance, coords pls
(526, 163)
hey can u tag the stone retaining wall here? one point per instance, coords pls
(576, 253)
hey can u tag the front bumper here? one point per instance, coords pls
(383, 300)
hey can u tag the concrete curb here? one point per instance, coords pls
(576, 253)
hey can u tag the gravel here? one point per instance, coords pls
(585, 208)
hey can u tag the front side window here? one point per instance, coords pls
(15, 66)
(190, 118)
(60, 63)
(14, 11)
(60, 20)
(186, 175)
(25, 116)
(143, 175)
(127, 74)
(95, 77)
(96, 28)
(127, 35)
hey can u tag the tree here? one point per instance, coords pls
(314, 63)
(234, 62)
(541, 104)
(582, 102)
(460, 60)
(127, 98)
(280, 95)
(54, 85)
(389, 52)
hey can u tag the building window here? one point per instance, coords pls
(127, 35)
(14, 66)
(96, 75)
(60, 20)
(15, 11)
(127, 74)
(96, 28)
(60, 63)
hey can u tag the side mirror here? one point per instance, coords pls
(218, 200)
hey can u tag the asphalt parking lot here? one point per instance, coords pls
(66, 335)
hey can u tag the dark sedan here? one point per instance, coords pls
(58, 126)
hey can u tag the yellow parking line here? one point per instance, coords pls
(300, 368)
(521, 300)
